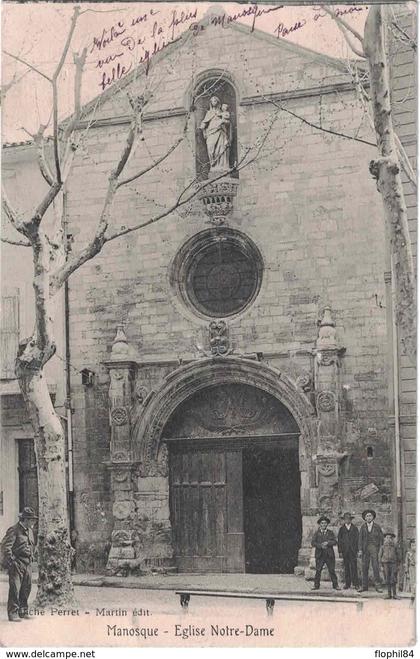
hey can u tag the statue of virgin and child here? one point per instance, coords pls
(217, 131)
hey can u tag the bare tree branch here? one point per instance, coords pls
(33, 68)
(12, 214)
(20, 243)
(42, 161)
(343, 31)
(42, 208)
(405, 162)
(407, 38)
(344, 24)
(14, 81)
(61, 274)
(321, 128)
(159, 160)
(71, 146)
(181, 202)
(54, 81)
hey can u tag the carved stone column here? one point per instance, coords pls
(327, 391)
(122, 369)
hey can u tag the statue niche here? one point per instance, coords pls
(215, 115)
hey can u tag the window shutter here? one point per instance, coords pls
(9, 332)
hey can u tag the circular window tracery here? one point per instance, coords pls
(218, 272)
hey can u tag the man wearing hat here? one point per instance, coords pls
(348, 546)
(390, 558)
(17, 550)
(371, 539)
(324, 540)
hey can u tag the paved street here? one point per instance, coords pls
(154, 613)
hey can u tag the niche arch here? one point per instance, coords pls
(213, 82)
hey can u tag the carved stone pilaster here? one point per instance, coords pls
(327, 384)
(329, 453)
(327, 480)
(122, 368)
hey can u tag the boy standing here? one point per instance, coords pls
(390, 557)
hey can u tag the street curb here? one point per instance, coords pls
(92, 581)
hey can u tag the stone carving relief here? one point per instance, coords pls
(119, 416)
(219, 338)
(120, 456)
(230, 409)
(327, 469)
(327, 333)
(304, 381)
(327, 478)
(218, 200)
(140, 393)
(157, 467)
(327, 358)
(122, 509)
(121, 537)
(325, 401)
(120, 475)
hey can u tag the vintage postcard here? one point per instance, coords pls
(208, 331)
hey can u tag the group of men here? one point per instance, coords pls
(369, 543)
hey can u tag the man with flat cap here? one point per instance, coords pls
(371, 540)
(348, 546)
(324, 541)
(17, 551)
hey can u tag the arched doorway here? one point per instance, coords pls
(234, 479)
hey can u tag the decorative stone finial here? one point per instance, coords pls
(327, 333)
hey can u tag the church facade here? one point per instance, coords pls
(230, 362)
(239, 345)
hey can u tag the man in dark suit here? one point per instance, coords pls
(348, 546)
(371, 540)
(17, 555)
(324, 540)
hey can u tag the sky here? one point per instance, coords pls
(117, 36)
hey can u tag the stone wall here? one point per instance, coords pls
(311, 209)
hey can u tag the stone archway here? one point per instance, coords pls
(187, 380)
(234, 482)
(149, 449)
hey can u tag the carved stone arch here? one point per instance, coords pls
(182, 383)
(200, 77)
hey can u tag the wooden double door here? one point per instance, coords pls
(235, 505)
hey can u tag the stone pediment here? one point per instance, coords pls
(293, 68)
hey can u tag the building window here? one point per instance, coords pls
(218, 272)
(9, 333)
